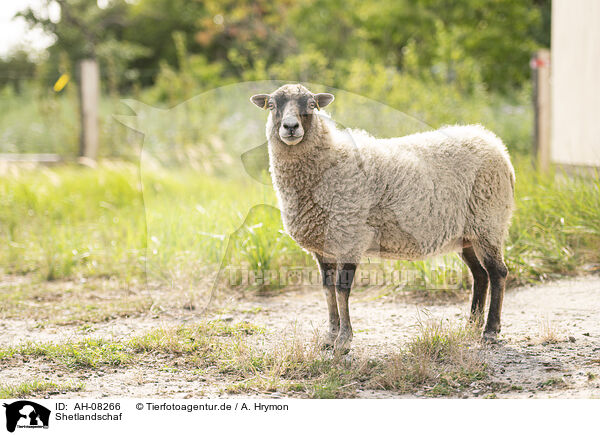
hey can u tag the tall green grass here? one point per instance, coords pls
(41, 121)
(197, 224)
(74, 222)
(556, 226)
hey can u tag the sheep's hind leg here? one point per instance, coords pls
(345, 276)
(480, 285)
(493, 262)
(328, 270)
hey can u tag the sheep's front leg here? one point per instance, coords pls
(328, 269)
(345, 277)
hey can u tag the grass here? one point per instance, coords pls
(42, 121)
(85, 353)
(548, 333)
(36, 388)
(83, 302)
(553, 383)
(441, 360)
(94, 352)
(556, 226)
(72, 223)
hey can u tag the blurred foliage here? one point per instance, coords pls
(86, 30)
(452, 40)
(465, 41)
(82, 25)
(441, 61)
(14, 69)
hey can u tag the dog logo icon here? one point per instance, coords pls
(26, 414)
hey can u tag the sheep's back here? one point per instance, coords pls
(427, 182)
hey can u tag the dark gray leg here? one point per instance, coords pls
(328, 274)
(497, 272)
(345, 277)
(480, 285)
(491, 258)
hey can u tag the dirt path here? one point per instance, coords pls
(550, 344)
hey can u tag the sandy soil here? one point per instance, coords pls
(549, 347)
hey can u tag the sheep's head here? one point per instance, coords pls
(292, 108)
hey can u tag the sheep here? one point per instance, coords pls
(344, 194)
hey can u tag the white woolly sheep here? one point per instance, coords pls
(345, 194)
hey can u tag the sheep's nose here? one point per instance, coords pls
(290, 124)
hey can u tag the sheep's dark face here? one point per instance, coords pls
(292, 108)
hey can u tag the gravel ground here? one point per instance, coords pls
(549, 346)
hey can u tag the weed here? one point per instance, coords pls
(548, 333)
(554, 383)
(34, 388)
(442, 357)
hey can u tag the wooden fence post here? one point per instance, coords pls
(540, 65)
(89, 95)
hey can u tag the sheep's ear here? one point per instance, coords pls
(323, 99)
(261, 100)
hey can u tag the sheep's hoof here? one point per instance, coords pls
(342, 344)
(341, 351)
(329, 340)
(490, 337)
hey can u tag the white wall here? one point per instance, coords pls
(576, 82)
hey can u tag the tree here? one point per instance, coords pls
(14, 68)
(86, 32)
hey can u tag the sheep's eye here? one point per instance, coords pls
(271, 106)
(312, 105)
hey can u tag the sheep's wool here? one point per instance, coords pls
(345, 194)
